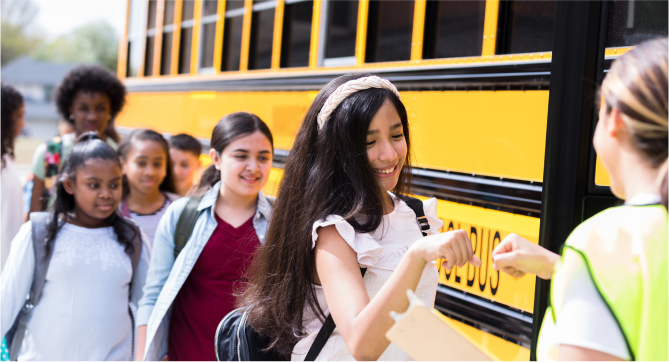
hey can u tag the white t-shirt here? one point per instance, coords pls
(585, 320)
(380, 252)
(11, 199)
(83, 312)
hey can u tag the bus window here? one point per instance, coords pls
(150, 38)
(168, 32)
(525, 26)
(166, 50)
(136, 26)
(389, 31)
(296, 35)
(262, 30)
(148, 59)
(208, 37)
(340, 31)
(185, 45)
(632, 22)
(232, 36)
(453, 29)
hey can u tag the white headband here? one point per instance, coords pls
(348, 88)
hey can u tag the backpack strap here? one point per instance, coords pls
(186, 224)
(132, 232)
(39, 221)
(329, 325)
(417, 206)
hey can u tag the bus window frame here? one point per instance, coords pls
(266, 5)
(206, 20)
(138, 37)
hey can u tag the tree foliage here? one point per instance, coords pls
(95, 42)
(15, 40)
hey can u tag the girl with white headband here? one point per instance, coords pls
(341, 207)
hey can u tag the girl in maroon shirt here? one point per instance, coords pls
(209, 270)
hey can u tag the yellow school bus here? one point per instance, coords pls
(476, 78)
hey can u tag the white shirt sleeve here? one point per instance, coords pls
(17, 276)
(585, 320)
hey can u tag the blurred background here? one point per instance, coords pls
(41, 41)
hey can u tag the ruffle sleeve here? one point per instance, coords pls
(367, 249)
(430, 208)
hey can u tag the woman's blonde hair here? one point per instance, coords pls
(637, 87)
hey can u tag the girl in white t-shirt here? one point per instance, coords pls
(84, 312)
(11, 196)
(350, 161)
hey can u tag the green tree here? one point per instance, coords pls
(95, 42)
(15, 18)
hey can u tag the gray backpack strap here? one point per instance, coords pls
(39, 221)
(133, 233)
(186, 224)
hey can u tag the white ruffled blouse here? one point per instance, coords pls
(380, 252)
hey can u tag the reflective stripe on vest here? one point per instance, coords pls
(625, 250)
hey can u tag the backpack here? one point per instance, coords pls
(52, 156)
(237, 341)
(40, 221)
(187, 220)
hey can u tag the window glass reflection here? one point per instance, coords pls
(296, 34)
(633, 22)
(453, 29)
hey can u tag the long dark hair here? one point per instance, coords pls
(10, 102)
(88, 147)
(148, 135)
(327, 173)
(228, 129)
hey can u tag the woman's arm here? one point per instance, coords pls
(36, 201)
(364, 323)
(141, 343)
(574, 353)
(517, 256)
(17, 276)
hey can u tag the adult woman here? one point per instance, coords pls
(187, 295)
(12, 200)
(609, 288)
(351, 151)
(89, 97)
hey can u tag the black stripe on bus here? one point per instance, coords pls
(512, 196)
(511, 324)
(518, 76)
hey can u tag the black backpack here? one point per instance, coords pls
(237, 341)
(40, 220)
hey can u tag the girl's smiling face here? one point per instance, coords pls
(245, 164)
(97, 190)
(386, 146)
(145, 166)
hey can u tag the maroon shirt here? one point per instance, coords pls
(206, 296)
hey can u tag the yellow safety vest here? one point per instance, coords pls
(625, 250)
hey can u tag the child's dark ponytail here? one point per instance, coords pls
(89, 146)
(228, 129)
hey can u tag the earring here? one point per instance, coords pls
(71, 117)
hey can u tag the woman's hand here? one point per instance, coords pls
(517, 256)
(452, 246)
(141, 343)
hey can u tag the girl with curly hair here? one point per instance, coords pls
(89, 98)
